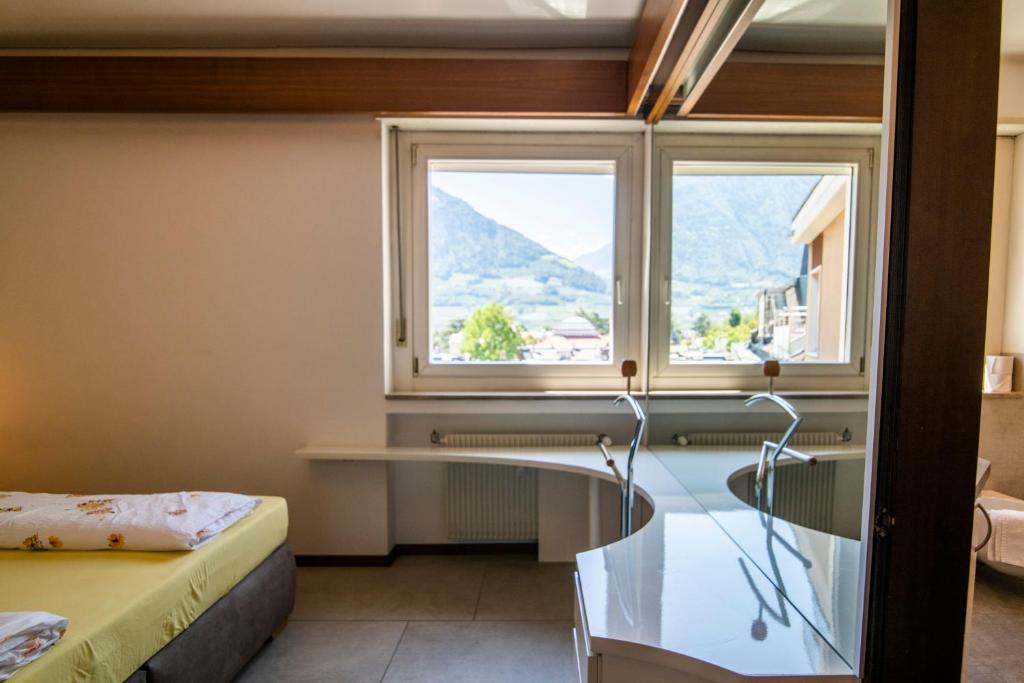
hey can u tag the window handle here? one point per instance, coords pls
(666, 291)
(618, 291)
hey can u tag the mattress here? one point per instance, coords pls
(125, 606)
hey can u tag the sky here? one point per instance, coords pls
(570, 214)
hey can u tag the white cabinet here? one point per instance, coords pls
(586, 661)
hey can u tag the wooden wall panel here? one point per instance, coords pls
(485, 87)
(247, 84)
(793, 91)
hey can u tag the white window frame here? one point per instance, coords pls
(411, 369)
(814, 305)
(859, 153)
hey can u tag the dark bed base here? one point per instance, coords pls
(216, 646)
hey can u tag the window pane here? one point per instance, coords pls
(759, 263)
(521, 261)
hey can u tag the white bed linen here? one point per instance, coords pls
(162, 521)
(25, 636)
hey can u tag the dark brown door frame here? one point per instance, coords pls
(941, 132)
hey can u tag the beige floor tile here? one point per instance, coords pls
(353, 652)
(413, 588)
(526, 591)
(997, 629)
(490, 651)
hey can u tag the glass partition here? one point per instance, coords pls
(762, 250)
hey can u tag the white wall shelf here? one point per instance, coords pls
(601, 403)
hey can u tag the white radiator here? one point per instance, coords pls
(803, 495)
(518, 440)
(498, 502)
(757, 438)
(806, 495)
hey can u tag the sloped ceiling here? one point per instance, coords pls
(810, 26)
(818, 27)
(319, 23)
(846, 26)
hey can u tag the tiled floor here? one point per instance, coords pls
(505, 619)
(997, 631)
(427, 618)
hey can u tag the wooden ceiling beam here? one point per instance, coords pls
(680, 54)
(701, 21)
(484, 87)
(658, 22)
(720, 56)
(793, 92)
(740, 90)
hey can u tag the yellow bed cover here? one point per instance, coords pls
(124, 606)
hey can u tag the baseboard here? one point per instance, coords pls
(345, 560)
(416, 549)
(530, 548)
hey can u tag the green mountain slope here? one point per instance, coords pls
(464, 242)
(599, 261)
(730, 238)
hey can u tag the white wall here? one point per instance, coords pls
(184, 300)
(1013, 309)
(1011, 89)
(1001, 195)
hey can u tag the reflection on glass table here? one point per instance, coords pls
(809, 549)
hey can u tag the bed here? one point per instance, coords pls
(158, 616)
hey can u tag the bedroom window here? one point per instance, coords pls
(762, 252)
(520, 261)
(517, 261)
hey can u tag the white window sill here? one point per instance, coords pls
(662, 402)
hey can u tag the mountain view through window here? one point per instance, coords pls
(521, 261)
(759, 265)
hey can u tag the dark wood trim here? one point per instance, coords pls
(793, 91)
(943, 152)
(416, 549)
(488, 87)
(507, 87)
(658, 21)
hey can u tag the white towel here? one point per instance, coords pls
(25, 636)
(1007, 542)
(160, 521)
